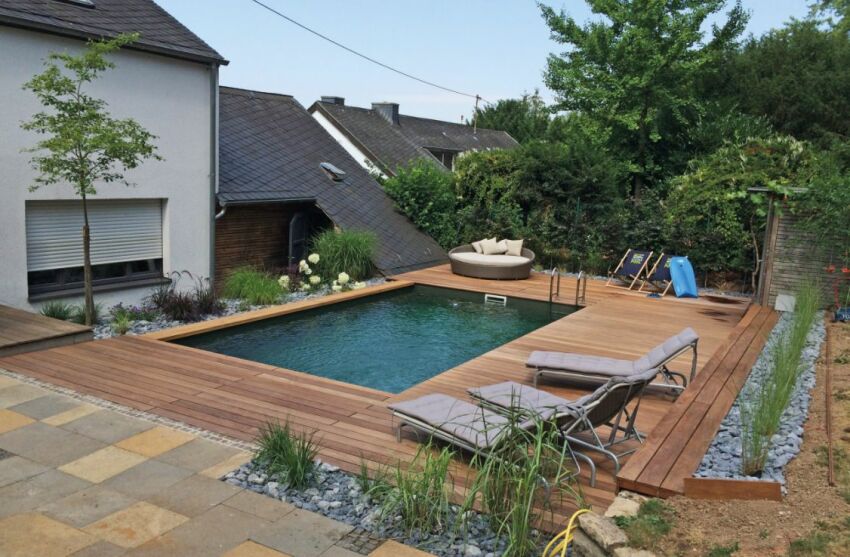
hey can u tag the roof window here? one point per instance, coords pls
(82, 3)
(332, 171)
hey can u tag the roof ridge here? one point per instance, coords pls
(241, 91)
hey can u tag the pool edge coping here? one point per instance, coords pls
(220, 323)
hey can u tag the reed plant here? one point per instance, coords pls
(289, 456)
(420, 493)
(520, 482)
(121, 323)
(252, 285)
(345, 251)
(762, 407)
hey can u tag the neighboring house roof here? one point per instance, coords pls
(159, 31)
(390, 145)
(270, 151)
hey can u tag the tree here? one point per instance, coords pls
(634, 71)
(84, 146)
(525, 119)
(798, 77)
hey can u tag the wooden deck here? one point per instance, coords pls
(674, 449)
(234, 397)
(22, 331)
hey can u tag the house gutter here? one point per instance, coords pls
(214, 114)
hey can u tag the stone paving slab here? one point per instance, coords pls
(48, 445)
(91, 482)
(45, 406)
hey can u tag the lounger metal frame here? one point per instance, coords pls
(620, 420)
(435, 432)
(670, 379)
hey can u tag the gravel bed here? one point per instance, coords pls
(337, 495)
(103, 329)
(723, 458)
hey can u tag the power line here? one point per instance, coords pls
(364, 56)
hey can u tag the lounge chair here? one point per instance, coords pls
(606, 406)
(465, 425)
(630, 269)
(584, 368)
(658, 276)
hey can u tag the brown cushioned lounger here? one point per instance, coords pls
(582, 367)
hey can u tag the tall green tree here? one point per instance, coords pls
(633, 70)
(83, 145)
(797, 77)
(525, 119)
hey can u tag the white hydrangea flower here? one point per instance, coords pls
(343, 278)
(302, 264)
(336, 288)
(305, 286)
(308, 271)
(314, 258)
(315, 279)
(283, 281)
(358, 285)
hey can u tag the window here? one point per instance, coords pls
(332, 171)
(126, 242)
(447, 158)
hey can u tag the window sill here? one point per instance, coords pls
(111, 287)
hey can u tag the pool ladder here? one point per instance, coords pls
(555, 286)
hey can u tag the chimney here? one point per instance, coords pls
(333, 100)
(388, 110)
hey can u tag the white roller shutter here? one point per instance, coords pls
(121, 230)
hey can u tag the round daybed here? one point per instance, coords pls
(465, 261)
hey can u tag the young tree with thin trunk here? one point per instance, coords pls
(84, 146)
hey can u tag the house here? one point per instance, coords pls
(168, 82)
(283, 177)
(382, 139)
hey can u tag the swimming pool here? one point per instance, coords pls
(389, 341)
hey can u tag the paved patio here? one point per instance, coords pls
(83, 480)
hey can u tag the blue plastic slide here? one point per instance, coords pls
(684, 281)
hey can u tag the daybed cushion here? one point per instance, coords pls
(474, 425)
(492, 247)
(490, 260)
(514, 247)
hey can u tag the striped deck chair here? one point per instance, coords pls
(630, 270)
(658, 276)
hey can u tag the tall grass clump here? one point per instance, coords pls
(519, 482)
(345, 251)
(78, 313)
(256, 287)
(286, 455)
(762, 407)
(57, 310)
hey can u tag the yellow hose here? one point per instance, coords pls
(559, 544)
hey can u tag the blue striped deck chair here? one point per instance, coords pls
(658, 276)
(630, 270)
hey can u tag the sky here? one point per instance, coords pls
(493, 48)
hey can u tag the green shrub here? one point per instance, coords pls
(57, 310)
(286, 455)
(205, 299)
(723, 550)
(256, 287)
(652, 522)
(121, 323)
(762, 409)
(78, 313)
(345, 251)
(425, 193)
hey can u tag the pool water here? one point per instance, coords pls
(388, 341)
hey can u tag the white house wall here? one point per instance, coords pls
(169, 97)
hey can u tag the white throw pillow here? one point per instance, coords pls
(503, 246)
(514, 247)
(477, 246)
(491, 247)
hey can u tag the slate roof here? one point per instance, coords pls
(159, 31)
(393, 145)
(270, 150)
